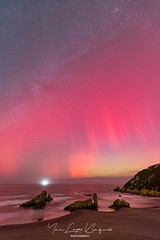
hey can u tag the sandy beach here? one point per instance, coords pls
(125, 224)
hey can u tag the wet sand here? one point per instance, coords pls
(125, 224)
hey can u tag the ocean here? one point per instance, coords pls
(12, 195)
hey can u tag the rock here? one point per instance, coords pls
(119, 195)
(117, 204)
(87, 195)
(79, 205)
(117, 189)
(145, 182)
(49, 198)
(87, 204)
(38, 202)
(95, 199)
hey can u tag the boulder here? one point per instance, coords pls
(38, 202)
(117, 204)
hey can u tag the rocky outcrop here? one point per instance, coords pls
(145, 182)
(39, 201)
(117, 189)
(87, 204)
(117, 204)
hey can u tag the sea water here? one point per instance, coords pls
(11, 196)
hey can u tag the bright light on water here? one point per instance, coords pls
(45, 182)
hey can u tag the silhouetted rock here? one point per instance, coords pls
(119, 204)
(145, 182)
(87, 204)
(38, 202)
(117, 189)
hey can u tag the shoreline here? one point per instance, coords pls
(126, 224)
(69, 213)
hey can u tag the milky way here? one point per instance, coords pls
(79, 87)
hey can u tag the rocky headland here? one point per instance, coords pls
(145, 182)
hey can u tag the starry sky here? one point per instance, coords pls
(79, 88)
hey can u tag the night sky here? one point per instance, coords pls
(79, 88)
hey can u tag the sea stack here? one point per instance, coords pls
(39, 201)
(87, 204)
